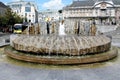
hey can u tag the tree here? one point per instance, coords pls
(18, 19)
(2, 21)
(12, 17)
(9, 19)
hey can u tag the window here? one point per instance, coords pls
(29, 15)
(25, 14)
(27, 9)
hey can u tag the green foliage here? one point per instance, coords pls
(10, 18)
(2, 21)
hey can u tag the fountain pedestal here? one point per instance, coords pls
(71, 45)
(59, 49)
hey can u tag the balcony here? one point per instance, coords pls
(79, 15)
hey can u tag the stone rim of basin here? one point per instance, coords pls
(72, 45)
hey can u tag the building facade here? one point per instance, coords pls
(101, 11)
(25, 9)
(3, 9)
(51, 14)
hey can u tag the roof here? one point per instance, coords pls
(82, 3)
(104, 0)
(18, 24)
(116, 2)
(3, 5)
(22, 2)
(79, 3)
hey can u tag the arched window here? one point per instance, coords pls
(28, 7)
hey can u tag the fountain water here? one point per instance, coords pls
(57, 49)
(62, 29)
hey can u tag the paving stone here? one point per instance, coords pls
(109, 70)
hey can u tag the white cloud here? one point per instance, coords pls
(53, 4)
(20, 0)
(15, 0)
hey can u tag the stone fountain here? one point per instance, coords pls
(60, 49)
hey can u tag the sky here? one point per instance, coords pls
(46, 4)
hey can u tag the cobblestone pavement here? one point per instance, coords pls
(4, 39)
(14, 70)
(115, 35)
(11, 69)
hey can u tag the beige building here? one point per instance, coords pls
(25, 9)
(51, 14)
(101, 11)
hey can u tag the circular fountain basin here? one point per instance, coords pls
(71, 45)
(60, 49)
(11, 52)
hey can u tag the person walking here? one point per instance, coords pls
(93, 29)
(48, 26)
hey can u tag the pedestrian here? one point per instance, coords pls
(87, 28)
(48, 27)
(78, 28)
(93, 30)
(53, 27)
